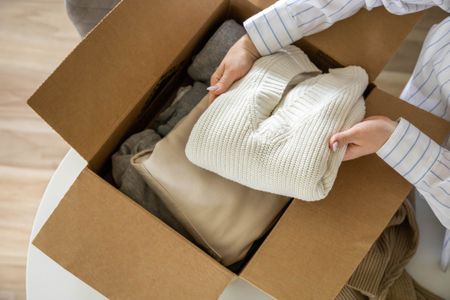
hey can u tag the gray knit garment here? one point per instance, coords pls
(209, 58)
(85, 14)
(174, 113)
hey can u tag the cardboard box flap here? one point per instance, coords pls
(116, 65)
(367, 39)
(124, 252)
(316, 246)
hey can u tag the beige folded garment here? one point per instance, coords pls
(223, 216)
(381, 275)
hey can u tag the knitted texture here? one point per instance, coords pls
(270, 131)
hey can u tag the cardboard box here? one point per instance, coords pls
(98, 95)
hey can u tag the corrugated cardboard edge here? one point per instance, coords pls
(104, 81)
(123, 251)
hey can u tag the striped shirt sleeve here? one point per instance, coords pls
(287, 21)
(423, 163)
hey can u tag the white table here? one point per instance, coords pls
(46, 280)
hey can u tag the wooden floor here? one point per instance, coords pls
(35, 35)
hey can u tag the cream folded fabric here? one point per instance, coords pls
(270, 131)
(222, 216)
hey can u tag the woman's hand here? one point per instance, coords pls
(364, 138)
(236, 63)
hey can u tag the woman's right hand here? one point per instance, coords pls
(236, 63)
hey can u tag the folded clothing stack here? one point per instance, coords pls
(226, 226)
(224, 217)
(270, 131)
(201, 69)
(231, 222)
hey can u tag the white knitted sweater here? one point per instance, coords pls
(270, 131)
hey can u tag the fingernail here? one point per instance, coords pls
(212, 88)
(335, 146)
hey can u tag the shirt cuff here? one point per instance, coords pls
(271, 29)
(410, 152)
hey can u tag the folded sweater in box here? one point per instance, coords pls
(224, 217)
(270, 131)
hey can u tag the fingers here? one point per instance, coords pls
(215, 77)
(349, 138)
(340, 139)
(224, 83)
(236, 63)
(221, 81)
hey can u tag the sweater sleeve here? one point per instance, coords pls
(287, 21)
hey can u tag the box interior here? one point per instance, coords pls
(117, 98)
(159, 98)
(163, 92)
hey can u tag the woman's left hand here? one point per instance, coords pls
(364, 138)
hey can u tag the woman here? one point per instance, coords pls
(409, 151)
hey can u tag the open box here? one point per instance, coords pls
(118, 77)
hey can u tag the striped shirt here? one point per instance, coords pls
(409, 151)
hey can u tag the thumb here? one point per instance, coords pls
(340, 139)
(215, 77)
(224, 82)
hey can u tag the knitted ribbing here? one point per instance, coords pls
(270, 131)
